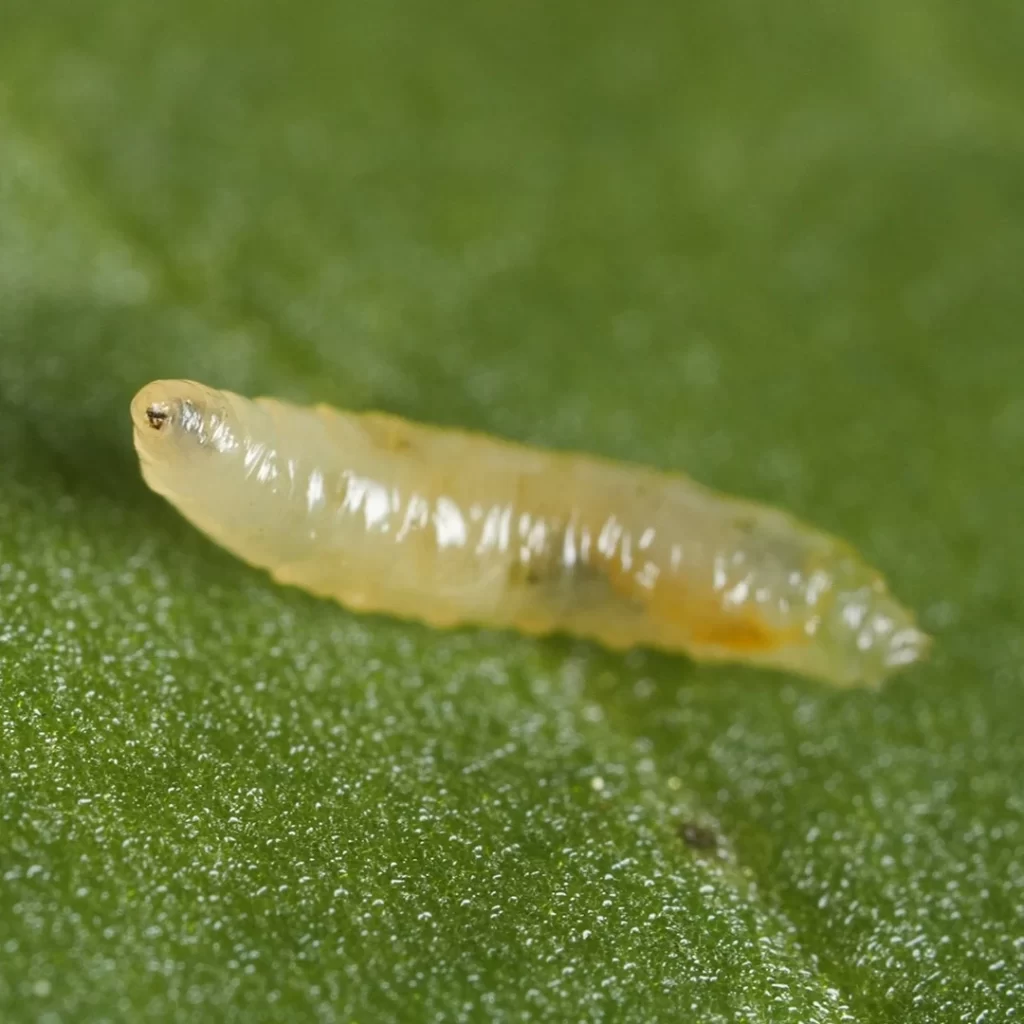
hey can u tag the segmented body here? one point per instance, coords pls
(450, 527)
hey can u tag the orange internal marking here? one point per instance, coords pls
(743, 635)
(705, 623)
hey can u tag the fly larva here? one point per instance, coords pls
(450, 527)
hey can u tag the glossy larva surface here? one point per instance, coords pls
(452, 528)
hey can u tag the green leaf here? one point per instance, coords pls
(778, 247)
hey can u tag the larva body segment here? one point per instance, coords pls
(450, 527)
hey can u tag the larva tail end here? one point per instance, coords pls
(871, 636)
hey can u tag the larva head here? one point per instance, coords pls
(208, 453)
(179, 428)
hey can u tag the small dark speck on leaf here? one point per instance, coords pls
(696, 836)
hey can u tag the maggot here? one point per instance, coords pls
(451, 527)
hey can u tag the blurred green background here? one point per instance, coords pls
(776, 246)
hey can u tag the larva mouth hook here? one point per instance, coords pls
(157, 415)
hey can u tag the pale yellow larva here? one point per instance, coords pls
(450, 527)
